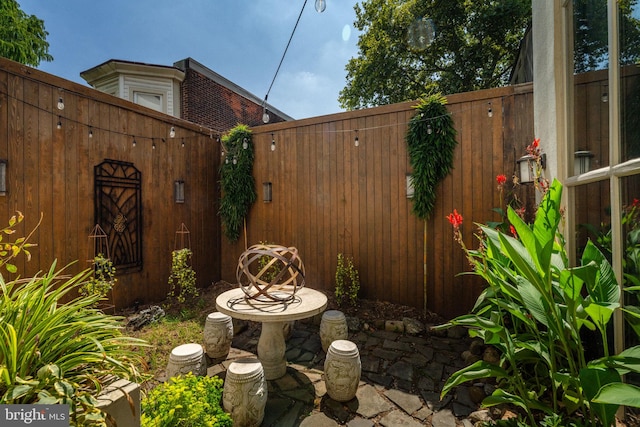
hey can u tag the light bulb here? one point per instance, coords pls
(245, 143)
(490, 112)
(226, 161)
(60, 104)
(172, 132)
(182, 143)
(90, 133)
(265, 117)
(273, 143)
(153, 145)
(429, 129)
(134, 142)
(59, 125)
(356, 141)
(235, 161)
(321, 5)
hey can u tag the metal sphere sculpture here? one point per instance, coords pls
(270, 273)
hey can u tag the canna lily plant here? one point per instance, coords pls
(533, 310)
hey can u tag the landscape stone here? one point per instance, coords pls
(443, 418)
(318, 420)
(371, 403)
(412, 326)
(397, 419)
(410, 403)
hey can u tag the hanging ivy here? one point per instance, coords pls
(431, 140)
(236, 179)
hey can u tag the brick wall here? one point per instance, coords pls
(211, 104)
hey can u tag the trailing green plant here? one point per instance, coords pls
(182, 280)
(236, 179)
(53, 352)
(431, 140)
(347, 281)
(103, 279)
(533, 310)
(185, 401)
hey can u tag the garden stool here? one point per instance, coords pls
(342, 370)
(244, 394)
(218, 333)
(333, 326)
(187, 358)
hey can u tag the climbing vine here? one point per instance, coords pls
(431, 140)
(236, 178)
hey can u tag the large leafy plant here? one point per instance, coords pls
(236, 178)
(533, 310)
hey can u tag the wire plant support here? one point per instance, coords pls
(182, 238)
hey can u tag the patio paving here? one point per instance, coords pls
(402, 376)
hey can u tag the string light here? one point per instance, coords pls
(321, 5)
(273, 143)
(182, 143)
(356, 141)
(60, 104)
(235, 161)
(245, 143)
(490, 112)
(153, 144)
(429, 129)
(133, 144)
(172, 132)
(59, 125)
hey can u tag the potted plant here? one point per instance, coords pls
(182, 280)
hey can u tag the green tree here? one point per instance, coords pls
(22, 37)
(409, 48)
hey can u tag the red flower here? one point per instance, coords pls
(455, 219)
(501, 179)
(535, 143)
(513, 231)
(636, 203)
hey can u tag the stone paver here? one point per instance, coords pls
(402, 376)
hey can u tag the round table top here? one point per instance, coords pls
(306, 303)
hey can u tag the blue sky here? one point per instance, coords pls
(242, 40)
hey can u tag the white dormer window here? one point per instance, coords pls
(149, 100)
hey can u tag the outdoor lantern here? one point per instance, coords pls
(525, 164)
(178, 191)
(266, 192)
(582, 162)
(409, 186)
(3, 177)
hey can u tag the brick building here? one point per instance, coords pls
(187, 89)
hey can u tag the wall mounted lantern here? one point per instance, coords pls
(582, 162)
(178, 191)
(266, 192)
(409, 186)
(525, 165)
(3, 177)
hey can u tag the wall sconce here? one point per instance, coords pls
(409, 186)
(3, 177)
(582, 162)
(266, 192)
(525, 165)
(178, 191)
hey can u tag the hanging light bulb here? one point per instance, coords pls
(235, 161)
(273, 143)
(133, 144)
(356, 141)
(60, 104)
(172, 132)
(153, 144)
(226, 161)
(265, 116)
(59, 125)
(245, 143)
(90, 133)
(490, 112)
(321, 5)
(182, 145)
(429, 129)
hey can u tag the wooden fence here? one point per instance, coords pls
(51, 154)
(330, 196)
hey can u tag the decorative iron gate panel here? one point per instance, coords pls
(118, 210)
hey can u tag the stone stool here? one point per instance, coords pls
(244, 394)
(333, 326)
(342, 369)
(218, 333)
(187, 358)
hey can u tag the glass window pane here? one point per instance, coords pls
(629, 37)
(591, 91)
(631, 255)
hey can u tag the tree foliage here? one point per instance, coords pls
(22, 37)
(474, 47)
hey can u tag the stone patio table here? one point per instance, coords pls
(273, 316)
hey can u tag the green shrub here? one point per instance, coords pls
(533, 311)
(182, 277)
(347, 281)
(103, 278)
(185, 401)
(60, 353)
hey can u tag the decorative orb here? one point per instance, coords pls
(270, 272)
